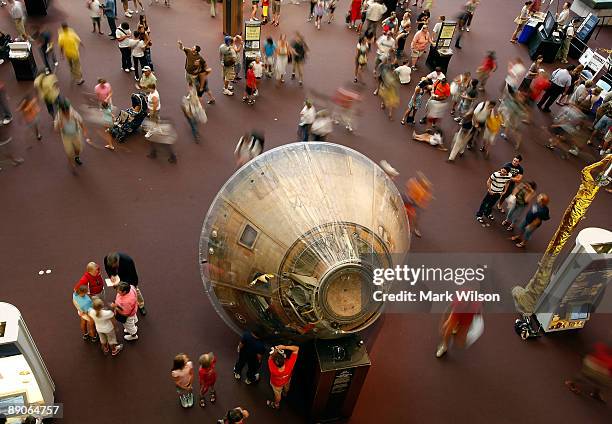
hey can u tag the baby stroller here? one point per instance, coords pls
(129, 120)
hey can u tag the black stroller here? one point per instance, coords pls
(128, 121)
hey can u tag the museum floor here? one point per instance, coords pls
(154, 211)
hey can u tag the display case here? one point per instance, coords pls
(577, 288)
(24, 379)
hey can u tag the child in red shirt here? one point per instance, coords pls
(208, 377)
(251, 86)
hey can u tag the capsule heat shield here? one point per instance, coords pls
(290, 243)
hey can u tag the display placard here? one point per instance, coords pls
(252, 33)
(447, 31)
(586, 28)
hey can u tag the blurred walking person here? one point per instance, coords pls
(70, 126)
(537, 214)
(30, 110)
(48, 90)
(69, 43)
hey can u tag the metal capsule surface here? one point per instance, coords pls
(290, 243)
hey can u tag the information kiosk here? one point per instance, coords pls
(577, 288)
(546, 41)
(252, 43)
(24, 379)
(440, 53)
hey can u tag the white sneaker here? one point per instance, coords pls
(6, 121)
(127, 70)
(148, 134)
(132, 69)
(1, 61)
(130, 337)
(237, 376)
(227, 92)
(467, 29)
(128, 15)
(441, 350)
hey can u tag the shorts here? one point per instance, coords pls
(270, 60)
(281, 391)
(84, 316)
(108, 338)
(276, 6)
(96, 19)
(254, 2)
(229, 73)
(417, 53)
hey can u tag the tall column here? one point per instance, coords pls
(232, 17)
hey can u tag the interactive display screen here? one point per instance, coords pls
(549, 24)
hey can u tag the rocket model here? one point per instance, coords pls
(290, 242)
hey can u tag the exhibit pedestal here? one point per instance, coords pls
(232, 17)
(341, 367)
(547, 47)
(37, 7)
(439, 57)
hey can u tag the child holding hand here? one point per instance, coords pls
(182, 375)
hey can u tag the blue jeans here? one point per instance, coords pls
(514, 213)
(304, 131)
(527, 232)
(194, 127)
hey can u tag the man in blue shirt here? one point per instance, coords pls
(537, 214)
(110, 11)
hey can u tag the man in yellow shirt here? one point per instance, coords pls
(69, 43)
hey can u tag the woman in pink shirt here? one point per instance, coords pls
(104, 92)
(125, 308)
(420, 42)
(182, 375)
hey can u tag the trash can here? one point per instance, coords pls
(36, 7)
(22, 58)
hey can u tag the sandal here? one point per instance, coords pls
(202, 402)
(213, 397)
(520, 245)
(271, 404)
(570, 385)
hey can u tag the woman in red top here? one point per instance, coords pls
(355, 13)
(251, 86)
(457, 324)
(280, 372)
(208, 377)
(489, 64)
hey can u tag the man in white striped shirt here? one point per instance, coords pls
(496, 185)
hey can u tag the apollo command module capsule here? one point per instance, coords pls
(290, 242)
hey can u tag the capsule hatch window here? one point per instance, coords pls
(248, 236)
